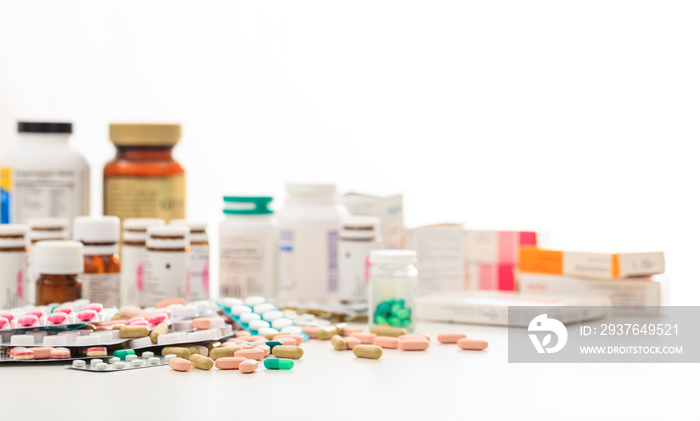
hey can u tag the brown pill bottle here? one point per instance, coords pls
(102, 275)
(143, 180)
(58, 264)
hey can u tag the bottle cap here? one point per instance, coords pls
(135, 228)
(392, 256)
(311, 189)
(48, 229)
(145, 134)
(247, 205)
(101, 229)
(58, 257)
(198, 230)
(13, 235)
(42, 127)
(168, 237)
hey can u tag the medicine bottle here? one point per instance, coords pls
(198, 287)
(14, 253)
(167, 268)
(43, 176)
(309, 224)
(359, 236)
(143, 180)
(59, 264)
(101, 276)
(392, 285)
(247, 247)
(41, 229)
(133, 256)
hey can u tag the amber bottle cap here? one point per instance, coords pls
(144, 134)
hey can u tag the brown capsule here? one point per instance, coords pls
(160, 329)
(327, 332)
(178, 351)
(133, 332)
(338, 343)
(201, 362)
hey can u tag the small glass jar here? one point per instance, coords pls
(58, 264)
(392, 285)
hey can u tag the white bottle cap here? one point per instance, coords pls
(135, 228)
(48, 229)
(311, 189)
(58, 257)
(13, 235)
(198, 230)
(392, 256)
(168, 237)
(103, 230)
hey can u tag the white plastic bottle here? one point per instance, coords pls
(42, 229)
(134, 257)
(14, 253)
(43, 176)
(309, 224)
(359, 236)
(247, 248)
(167, 268)
(198, 288)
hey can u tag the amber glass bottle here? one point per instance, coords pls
(143, 180)
(59, 264)
(101, 278)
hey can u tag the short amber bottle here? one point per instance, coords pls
(101, 278)
(59, 264)
(143, 180)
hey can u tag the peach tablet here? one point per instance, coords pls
(472, 344)
(201, 323)
(248, 366)
(286, 341)
(351, 342)
(170, 301)
(298, 338)
(179, 364)
(450, 337)
(386, 342)
(413, 345)
(311, 331)
(365, 338)
(350, 329)
(404, 337)
(229, 363)
(242, 333)
(254, 354)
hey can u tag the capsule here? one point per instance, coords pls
(472, 344)
(160, 329)
(327, 332)
(178, 351)
(228, 351)
(122, 353)
(386, 342)
(198, 349)
(338, 343)
(283, 351)
(201, 362)
(273, 344)
(394, 332)
(368, 351)
(278, 364)
(128, 332)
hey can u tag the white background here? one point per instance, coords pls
(579, 119)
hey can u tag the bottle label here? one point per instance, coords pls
(199, 278)
(242, 266)
(145, 197)
(43, 193)
(13, 279)
(133, 260)
(166, 275)
(101, 288)
(354, 264)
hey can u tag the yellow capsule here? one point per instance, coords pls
(368, 351)
(201, 362)
(178, 351)
(338, 343)
(269, 336)
(394, 332)
(161, 329)
(228, 351)
(341, 328)
(133, 331)
(283, 351)
(327, 332)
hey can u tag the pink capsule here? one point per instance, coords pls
(157, 318)
(87, 315)
(96, 307)
(57, 318)
(28, 320)
(64, 310)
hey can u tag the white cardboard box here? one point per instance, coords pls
(388, 208)
(440, 258)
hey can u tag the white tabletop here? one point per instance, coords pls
(335, 385)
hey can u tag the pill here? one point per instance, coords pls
(229, 363)
(153, 361)
(230, 302)
(419, 337)
(78, 363)
(338, 343)
(202, 350)
(254, 300)
(266, 349)
(133, 331)
(160, 329)
(23, 354)
(272, 315)
(350, 329)
(351, 342)
(249, 317)
(242, 333)
(413, 344)
(130, 311)
(368, 351)
(311, 331)
(28, 320)
(119, 365)
(425, 335)
(211, 345)
(170, 301)
(240, 309)
(57, 318)
(38, 313)
(258, 324)
(114, 360)
(283, 351)
(281, 323)
(86, 315)
(387, 342)
(292, 330)
(273, 344)
(95, 361)
(341, 328)
(193, 350)
(254, 354)
(60, 353)
(255, 338)
(201, 323)
(298, 338)
(263, 308)
(122, 353)
(63, 309)
(139, 322)
(327, 332)
(101, 366)
(450, 337)
(201, 362)
(217, 353)
(131, 357)
(388, 331)
(365, 338)
(147, 354)
(41, 352)
(472, 344)
(247, 366)
(157, 318)
(96, 351)
(278, 364)
(178, 351)
(137, 363)
(96, 307)
(4, 323)
(244, 345)
(287, 341)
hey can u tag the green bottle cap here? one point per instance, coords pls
(247, 205)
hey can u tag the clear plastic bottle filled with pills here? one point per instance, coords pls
(392, 285)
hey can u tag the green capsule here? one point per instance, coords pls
(384, 308)
(380, 320)
(395, 308)
(394, 321)
(278, 364)
(406, 323)
(122, 353)
(403, 313)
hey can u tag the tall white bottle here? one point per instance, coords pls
(309, 224)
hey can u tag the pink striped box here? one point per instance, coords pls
(491, 258)
(485, 277)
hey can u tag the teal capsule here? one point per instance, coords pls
(278, 363)
(403, 313)
(122, 353)
(273, 344)
(394, 321)
(380, 320)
